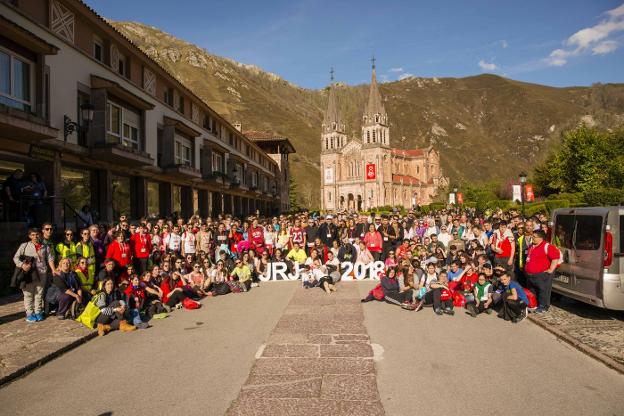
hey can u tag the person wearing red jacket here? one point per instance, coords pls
(141, 243)
(373, 241)
(119, 251)
(256, 237)
(171, 287)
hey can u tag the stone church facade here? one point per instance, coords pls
(367, 172)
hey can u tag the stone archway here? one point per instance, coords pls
(342, 202)
(350, 202)
(359, 202)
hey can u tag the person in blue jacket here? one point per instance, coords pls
(515, 301)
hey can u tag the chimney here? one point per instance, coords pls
(238, 126)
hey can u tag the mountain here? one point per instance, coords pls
(486, 127)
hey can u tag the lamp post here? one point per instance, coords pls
(523, 179)
(69, 126)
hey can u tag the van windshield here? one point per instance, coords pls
(582, 232)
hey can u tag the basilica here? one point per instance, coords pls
(367, 172)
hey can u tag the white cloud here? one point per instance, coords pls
(399, 69)
(405, 75)
(605, 47)
(487, 66)
(504, 44)
(594, 39)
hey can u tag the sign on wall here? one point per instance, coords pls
(329, 175)
(371, 171)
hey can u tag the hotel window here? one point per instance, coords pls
(131, 123)
(16, 81)
(181, 105)
(168, 98)
(183, 151)
(254, 179)
(123, 64)
(217, 162)
(98, 49)
(123, 126)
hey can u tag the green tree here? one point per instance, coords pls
(293, 194)
(590, 162)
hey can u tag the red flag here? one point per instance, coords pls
(460, 198)
(371, 171)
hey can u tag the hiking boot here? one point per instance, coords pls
(126, 327)
(103, 329)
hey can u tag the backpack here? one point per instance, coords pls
(560, 259)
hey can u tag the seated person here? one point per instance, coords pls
(172, 288)
(135, 299)
(85, 278)
(67, 289)
(439, 295)
(242, 274)
(196, 280)
(108, 272)
(482, 297)
(394, 293)
(515, 301)
(297, 254)
(112, 310)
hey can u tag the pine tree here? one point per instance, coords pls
(293, 194)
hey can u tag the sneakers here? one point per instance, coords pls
(254, 284)
(142, 325)
(540, 310)
(39, 317)
(31, 318)
(408, 306)
(438, 311)
(61, 317)
(449, 311)
(488, 311)
(471, 310)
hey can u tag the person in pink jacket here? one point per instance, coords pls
(373, 241)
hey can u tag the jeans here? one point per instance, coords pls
(541, 285)
(136, 317)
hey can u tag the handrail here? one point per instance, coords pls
(72, 211)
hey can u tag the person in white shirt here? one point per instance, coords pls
(444, 237)
(173, 240)
(187, 241)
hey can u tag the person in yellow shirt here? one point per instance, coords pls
(67, 248)
(297, 254)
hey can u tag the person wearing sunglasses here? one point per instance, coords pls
(242, 274)
(85, 249)
(85, 279)
(66, 249)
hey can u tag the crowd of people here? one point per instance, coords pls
(135, 271)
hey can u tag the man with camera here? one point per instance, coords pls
(32, 261)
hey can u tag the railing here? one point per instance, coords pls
(29, 209)
(77, 220)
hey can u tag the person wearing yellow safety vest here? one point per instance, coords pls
(86, 279)
(523, 243)
(66, 249)
(84, 248)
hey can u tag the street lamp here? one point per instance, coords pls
(523, 179)
(69, 126)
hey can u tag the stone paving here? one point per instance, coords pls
(317, 360)
(598, 329)
(24, 346)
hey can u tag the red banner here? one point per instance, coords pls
(371, 171)
(528, 190)
(460, 198)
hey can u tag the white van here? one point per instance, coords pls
(591, 241)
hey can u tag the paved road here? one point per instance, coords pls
(196, 362)
(193, 362)
(461, 365)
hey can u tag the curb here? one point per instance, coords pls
(41, 361)
(606, 360)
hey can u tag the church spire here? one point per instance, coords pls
(374, 104)
(331, 118)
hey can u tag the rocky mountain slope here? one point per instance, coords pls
(486, 127)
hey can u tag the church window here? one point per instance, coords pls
(329, 196)
(332, 142)
(334, 126)
(326, 143)
(373, 136)
(417, 169)
(367, 136)
(376, 118)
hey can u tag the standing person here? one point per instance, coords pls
(523, 244)
(67, 247)
(173, 241)
(188, 241)
(504, 247)
(203, 239)
(85, 217)
(374, 242)
(85, 249)
(141, 243)
(311, 232)
(328, 232)
(119, 251)
(34, 259)
(541, 262)
(297, 235)
(256, 237)
(98, 244)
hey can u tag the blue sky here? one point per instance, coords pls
(553, 42)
